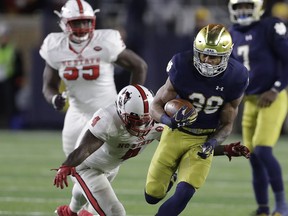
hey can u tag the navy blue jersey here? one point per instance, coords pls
(263, 48)
(208, 95)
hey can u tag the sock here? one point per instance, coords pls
(77, 200)
(260, 184)
(280, 203)
(275, 175)
(177, 203)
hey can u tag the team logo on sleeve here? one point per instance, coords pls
(169, 66)
(159, 129)
(280, 28)
(97, 48)
(95, 120)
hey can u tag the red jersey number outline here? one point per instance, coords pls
(72, 73)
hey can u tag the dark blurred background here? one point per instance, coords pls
(154, 29)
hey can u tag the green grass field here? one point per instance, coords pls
(26, 182)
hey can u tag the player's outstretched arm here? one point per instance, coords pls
(50, 88)
(232, 150)
(89, 144)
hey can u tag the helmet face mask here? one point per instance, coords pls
(77, 20)
(215, 41)
(81, 29)
(133, 105)
(245, 12)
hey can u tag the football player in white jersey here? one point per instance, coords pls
(113, 135)
(83, 58)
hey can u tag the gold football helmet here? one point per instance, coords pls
(245, 15)
(212, 40)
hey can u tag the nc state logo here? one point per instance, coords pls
(97, 48)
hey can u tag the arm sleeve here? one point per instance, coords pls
(279, 43)
(99, 125)
(44, 51)
(115, 44)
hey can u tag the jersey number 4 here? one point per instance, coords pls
(88, 72)
(131, 153)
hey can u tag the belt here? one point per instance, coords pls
(196, 131)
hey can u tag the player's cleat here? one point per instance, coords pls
(259, 214)
(281, 211)
(65, 211)
(256, 213)
(84, 212)
(280, 214)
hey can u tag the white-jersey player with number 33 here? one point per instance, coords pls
(84, 59)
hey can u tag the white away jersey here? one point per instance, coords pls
(87, 74)
(119, 144)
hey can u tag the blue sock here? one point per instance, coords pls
(177, 203)
(275, 174)
(280, 203)
(272, 166)
(260, 184)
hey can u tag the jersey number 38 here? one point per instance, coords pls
(207, 105)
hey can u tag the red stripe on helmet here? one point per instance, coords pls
(80, 6)
(144, 98)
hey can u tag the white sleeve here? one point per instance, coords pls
(99, 125)
(44, 51)
(116, 46)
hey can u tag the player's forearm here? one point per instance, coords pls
(76, 157)
(222, 133)
(139, 74)
(49, 92)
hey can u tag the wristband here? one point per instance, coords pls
(165, 119)
(213, 142)
(274, 90)
(53, 100)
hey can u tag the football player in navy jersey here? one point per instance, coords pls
(215, 84)
(261, 44)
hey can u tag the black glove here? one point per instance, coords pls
(59, 101)
(207, 148)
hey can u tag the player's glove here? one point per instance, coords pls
(207, 148)
(236, 150)
(59, 101)
(61, 176)
(180, 119)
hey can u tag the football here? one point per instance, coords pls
(172, 106)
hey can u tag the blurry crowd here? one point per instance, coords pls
(153, 29)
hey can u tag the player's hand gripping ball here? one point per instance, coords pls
(181, 112)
